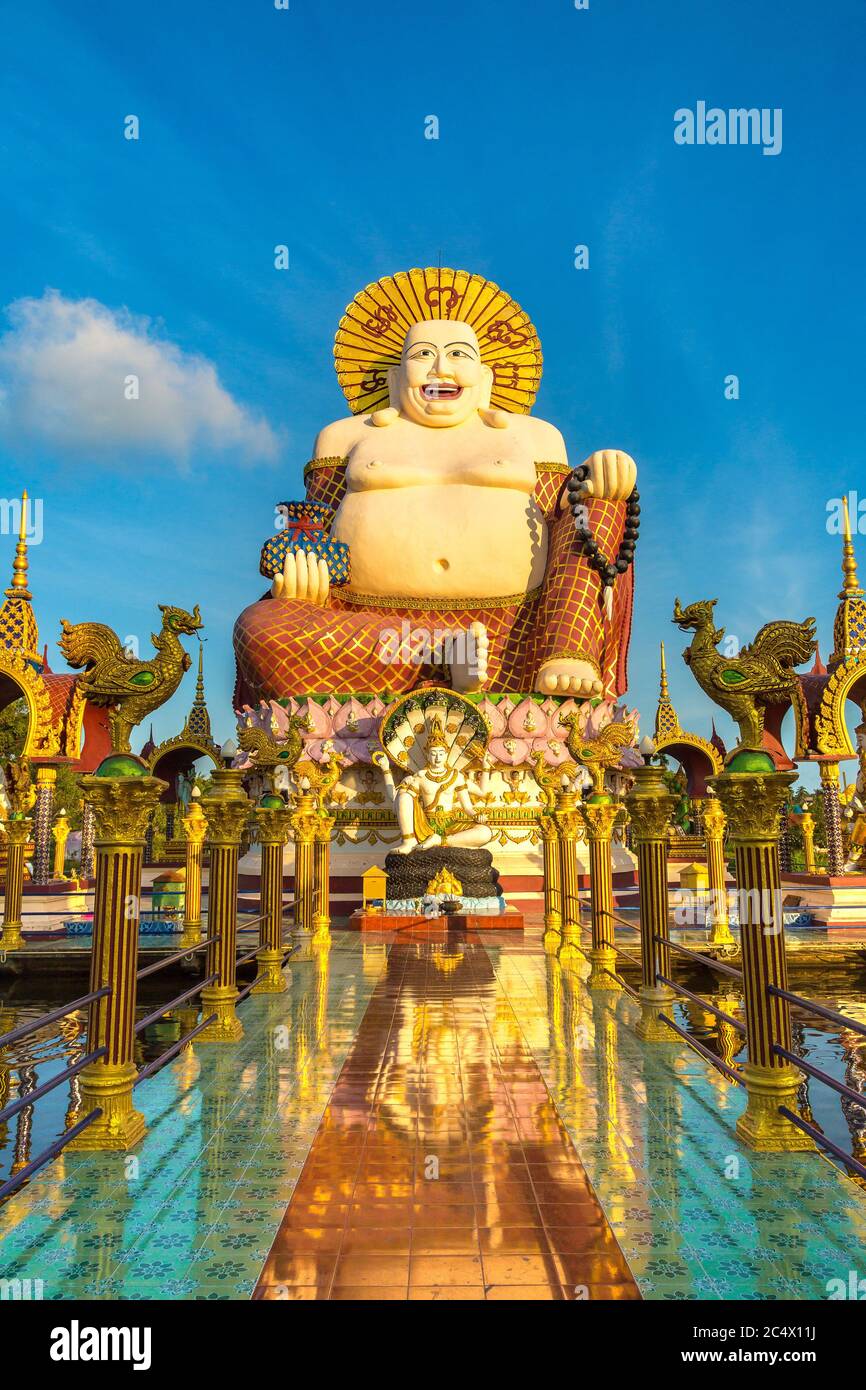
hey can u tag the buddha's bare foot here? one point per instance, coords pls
(470, 673)
(432, 842)
(304, 577)
(407, 844)
(569, 678)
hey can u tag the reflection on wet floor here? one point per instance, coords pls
(436, 1119)
(441, 1169)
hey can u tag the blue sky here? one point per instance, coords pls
(306, 127)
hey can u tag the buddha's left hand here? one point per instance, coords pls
(612, 475)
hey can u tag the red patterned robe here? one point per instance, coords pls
(299, 648)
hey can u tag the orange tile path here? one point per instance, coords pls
(441, 1169)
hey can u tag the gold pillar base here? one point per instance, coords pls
(602, 968)
(721, 935)
(191, 934)
(226, 1027)
(120, 1126)
(13, 937)
(321, 924)
(569, 939)
(653, 1001)
(269, 976)
(761, 1127)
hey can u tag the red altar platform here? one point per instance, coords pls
(509, 920)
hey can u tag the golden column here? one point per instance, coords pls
(600, 813)
(304, 822)
(752, 794)
(650, 807)
(807, 822)
(566, 818)
(322, 874)
(194, 829)
(714, 839)
(17, 829)
(552, 881)
(226, 810)
(122, 796)
(273, 818)
(61, 835)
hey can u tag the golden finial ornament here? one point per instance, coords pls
(850, 587)
(18, 630)
(667, 721)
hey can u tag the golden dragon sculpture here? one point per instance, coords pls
(761, 674)
(601, 752)
(268, 753)
(128, 688)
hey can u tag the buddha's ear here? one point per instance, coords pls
(393, 377)
(486, 386)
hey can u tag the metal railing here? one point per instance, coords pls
(730, 1072)
(45, 1020)
(809, 1006)
(25, 1101)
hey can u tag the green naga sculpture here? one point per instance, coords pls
(762, 674)
(128, 688)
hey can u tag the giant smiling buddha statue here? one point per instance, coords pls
(460, 512)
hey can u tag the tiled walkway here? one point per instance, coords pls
(441, 1169)
(461, 1119)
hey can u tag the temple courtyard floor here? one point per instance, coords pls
(420, 1118)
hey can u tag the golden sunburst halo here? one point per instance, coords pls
(370, 336)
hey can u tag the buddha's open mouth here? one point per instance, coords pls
(441, 391)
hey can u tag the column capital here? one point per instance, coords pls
(274, 822)
(18, 829)
(715, 820)
(600, 818)
(752, 802)
(121, 805)
(194, 824)
(650, 804)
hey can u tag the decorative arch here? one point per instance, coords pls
(699, 759)
(42, 739)
(183, 743)
(848, 682)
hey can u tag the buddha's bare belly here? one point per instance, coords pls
(455, 541)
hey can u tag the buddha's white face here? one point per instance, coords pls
(441, 379)
(437, 758)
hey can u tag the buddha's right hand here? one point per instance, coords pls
(304, 576)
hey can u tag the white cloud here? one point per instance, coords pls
(64, 365)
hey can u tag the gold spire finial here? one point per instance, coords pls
(850, 587)
(667, 722)
(18, 587)
(198, 720)
(18, 628)
(849, 627)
